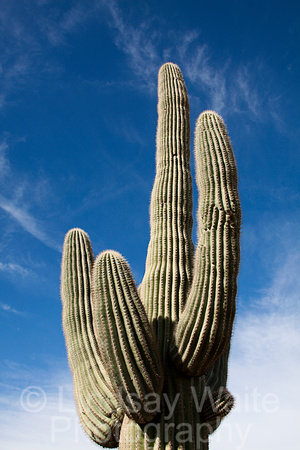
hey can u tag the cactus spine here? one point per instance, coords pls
(150, 364)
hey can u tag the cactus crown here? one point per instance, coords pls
(150, 364)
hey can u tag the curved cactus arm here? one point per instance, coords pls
(205, 327)
(98, 408)
(126, 340)
(170, 252)
(219, 400)
(216, 407)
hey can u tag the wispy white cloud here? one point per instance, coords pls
(57, 26)
(201, 72)
(18, 51)
(283, 294)
(8, 311)
(247, 94)
(24, 195)
(27, 222)
(4, 163)
(7, 308)
(138, 42)
(13, 268)
(27, 34)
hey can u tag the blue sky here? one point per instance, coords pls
(77, 148)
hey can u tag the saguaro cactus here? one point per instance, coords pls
(150, 364)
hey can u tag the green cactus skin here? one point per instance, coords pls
(151, 363)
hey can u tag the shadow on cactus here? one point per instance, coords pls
(150, 364)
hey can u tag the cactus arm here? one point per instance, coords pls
(219, 400)
(168, 270)
(126, 340)
(205, 327)
(98, 408)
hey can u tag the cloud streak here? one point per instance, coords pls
(138, 42)
(57, 26)
(14, 269)
(7, 308)
(36, 191)
(4, 163)
(27, 222)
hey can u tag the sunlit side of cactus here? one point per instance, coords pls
(150, 364)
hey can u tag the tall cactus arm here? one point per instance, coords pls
(169, 261)
(98, 408)
(126, 340)
(205, 327)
